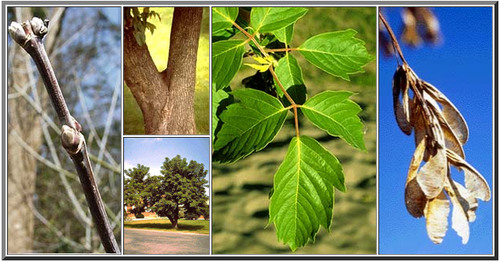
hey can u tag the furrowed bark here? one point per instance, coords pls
(29, 35)
(166, 98)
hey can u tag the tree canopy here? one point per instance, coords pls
(134, 193)
(180, 187)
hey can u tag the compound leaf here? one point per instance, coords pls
(337, 53)
(227, 57)
(223, 17)
(303, 195)
(290, 76)
(248, 126)
(335, 113)
(267, 19)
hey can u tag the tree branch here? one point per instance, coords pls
(29, 35)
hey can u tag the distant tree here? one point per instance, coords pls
(181, 185)
(134, 191)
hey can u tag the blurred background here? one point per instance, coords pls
(158, 45)
(459, 64)
(240, 191)
(47, 211)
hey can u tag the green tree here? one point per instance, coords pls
(182, 185)
(134, 191)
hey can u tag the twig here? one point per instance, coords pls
(290, 99)
(393, 37)
(51, 123)
(29, 35)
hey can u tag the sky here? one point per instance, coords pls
(461, 67)
(152, 151)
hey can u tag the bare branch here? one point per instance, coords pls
(29, 35)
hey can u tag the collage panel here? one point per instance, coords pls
(166, 71)
(436, 126)
(63, 166)
(337, 131)
(166, 195)
(288, 82)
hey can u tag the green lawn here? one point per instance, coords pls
(163, 224)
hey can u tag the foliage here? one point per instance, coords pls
(180, 189)
(247, 120)
(139, 215)
(134, 189)
(141, 24)
(181, 185)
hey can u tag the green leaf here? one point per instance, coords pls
(284, 34)
(337, 53)
(335, 113)
(290, 76)
(303, 195)
(151, 27)
(227, 56)
(217, 97)
(140, 38)
(267, 19)
(223, 17)
(248, 126)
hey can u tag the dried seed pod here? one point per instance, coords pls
(426, 17)
(432, 175)
(410, 31)
(450, 112)
(474, 181)
(415, 198)
(459, 220)
(450, 139)
(402, 109)
(468, 201)
(436, 215)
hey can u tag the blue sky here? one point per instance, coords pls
(152, 151)
(461, 67)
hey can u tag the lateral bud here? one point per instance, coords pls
(71, 139)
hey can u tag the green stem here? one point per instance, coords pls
(289, 49)
(288, 97)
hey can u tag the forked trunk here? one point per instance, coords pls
(165, 98)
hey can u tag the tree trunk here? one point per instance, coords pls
(23, 122)
(174, 218)
(166, 98)
(174, 222)
(21, 172)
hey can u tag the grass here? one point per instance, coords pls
(163, 224)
